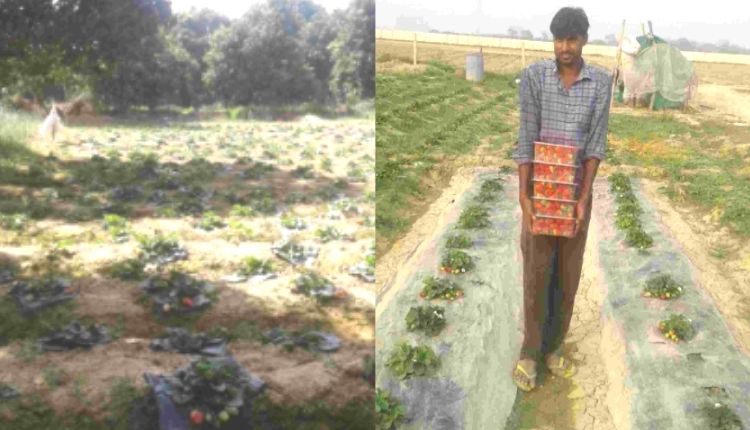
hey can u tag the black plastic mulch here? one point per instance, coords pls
(38, 294)
(181, 340)
(75, 335)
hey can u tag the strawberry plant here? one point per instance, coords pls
(327, 234)
(490, 190)
(213, 390)
(627, 217)
(390, 411)
(429, 319)
(475, 216)
(407, 361)
(293, 252)
(663, 287)
(252, 266)
(292, 223)
(178, 293)
(160, 249)
(440, 288)
(117, 227)
(456, 262)
(15, 222)
(677, 328)
(211, 221)
(313, 285)
(458, 241)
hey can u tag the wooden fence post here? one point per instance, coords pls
(415, 49)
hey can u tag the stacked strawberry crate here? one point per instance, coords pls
(554, 195)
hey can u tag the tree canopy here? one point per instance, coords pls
(126, 53)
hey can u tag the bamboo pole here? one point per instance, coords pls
(651, 36)
(616, 70)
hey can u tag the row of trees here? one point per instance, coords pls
(682, 43)
(136, 52)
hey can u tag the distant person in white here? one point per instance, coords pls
(52, 124)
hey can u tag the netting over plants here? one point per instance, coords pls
(657, 69)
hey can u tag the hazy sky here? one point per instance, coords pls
(237, 8)
(710, 22)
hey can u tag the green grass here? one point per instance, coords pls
(695, 163)
(422, 118)
(643, 128)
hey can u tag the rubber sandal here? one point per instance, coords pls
(563, 368)
(527, 384)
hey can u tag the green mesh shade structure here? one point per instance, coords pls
(659, 68)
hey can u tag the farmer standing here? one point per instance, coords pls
(565, 102)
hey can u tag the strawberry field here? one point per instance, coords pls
(177, 251)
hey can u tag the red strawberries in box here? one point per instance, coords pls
(556, 154)
(556, 208)
(554, 172)
(553, 226)
(554, 190)
(554, 175)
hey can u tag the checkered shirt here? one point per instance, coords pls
(550, 113)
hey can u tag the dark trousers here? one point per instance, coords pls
(551, 273)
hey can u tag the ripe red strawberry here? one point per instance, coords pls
(196, 417)
(187, 302)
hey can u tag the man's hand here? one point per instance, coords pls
(527, 208)
(582, 213)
